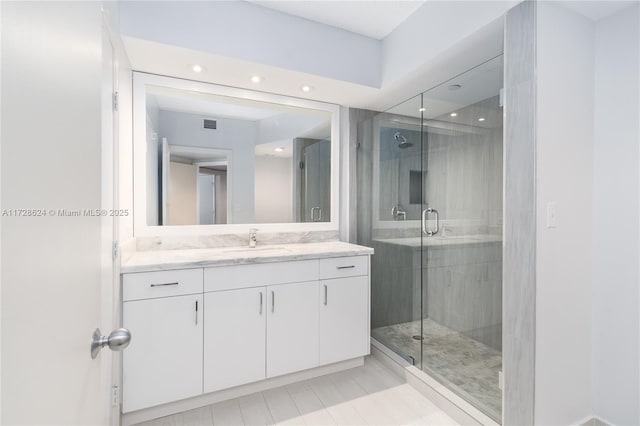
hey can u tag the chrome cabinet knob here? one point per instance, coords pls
(117, 341)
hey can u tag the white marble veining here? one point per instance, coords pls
(158, 260)
(231, 240)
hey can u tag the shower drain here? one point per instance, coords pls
(416, 337)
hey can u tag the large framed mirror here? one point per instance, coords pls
(212, 159)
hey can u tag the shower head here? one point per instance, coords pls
(402, 141)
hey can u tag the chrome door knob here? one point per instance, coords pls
(117, 341)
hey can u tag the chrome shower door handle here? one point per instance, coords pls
(435, 213)
(425, 214)
(424, 222)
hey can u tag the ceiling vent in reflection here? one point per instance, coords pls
(210, 124)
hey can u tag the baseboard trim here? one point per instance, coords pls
(456, 407)
(163, 410)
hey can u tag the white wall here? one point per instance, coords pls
(615, 228)
(431, 30)
(274, 198)
(564, 169)
(250, 32)
(237, 135)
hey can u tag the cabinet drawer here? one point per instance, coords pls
(339, 267)
(148, 285)
(243, 276)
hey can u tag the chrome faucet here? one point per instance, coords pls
(253, 237)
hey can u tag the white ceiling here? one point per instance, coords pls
(195, 103)
(596, 9)
(370, 18)
(477, 84)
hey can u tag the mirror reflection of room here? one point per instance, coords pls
(214, 159)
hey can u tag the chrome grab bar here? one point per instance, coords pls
(426, 231)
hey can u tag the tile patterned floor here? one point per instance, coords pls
(464, 365)
(367, 395)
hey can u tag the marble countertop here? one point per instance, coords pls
(159, 260)
(439, 241)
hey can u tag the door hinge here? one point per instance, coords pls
(501, 97)
(302, 165)
(115, 250)
(115, 101)
(115, 395)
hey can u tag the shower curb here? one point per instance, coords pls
(456, 407)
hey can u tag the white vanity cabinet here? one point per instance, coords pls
(203, 330)
(235, 337)
(292, 328)
(261, 321)
(344, 308)
(163, 363)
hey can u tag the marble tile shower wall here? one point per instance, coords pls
(463, 290)
(463, 178)
(461, 287)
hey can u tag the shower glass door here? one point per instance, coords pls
(436, 227)
(462, 236)
(392, 149)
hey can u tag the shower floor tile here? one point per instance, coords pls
(466, 366)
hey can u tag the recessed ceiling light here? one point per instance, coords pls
(279, 149)
(306, 88)
(481, 119)
(455, 87)
(422, 109)
(197, 68)
(256, 79)
(454, 114)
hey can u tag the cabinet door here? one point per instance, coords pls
(292, 327)
(344, 319)
(234, 337)
(163, 363)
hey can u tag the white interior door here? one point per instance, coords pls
(53, 264)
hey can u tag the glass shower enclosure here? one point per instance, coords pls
(430, 204)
